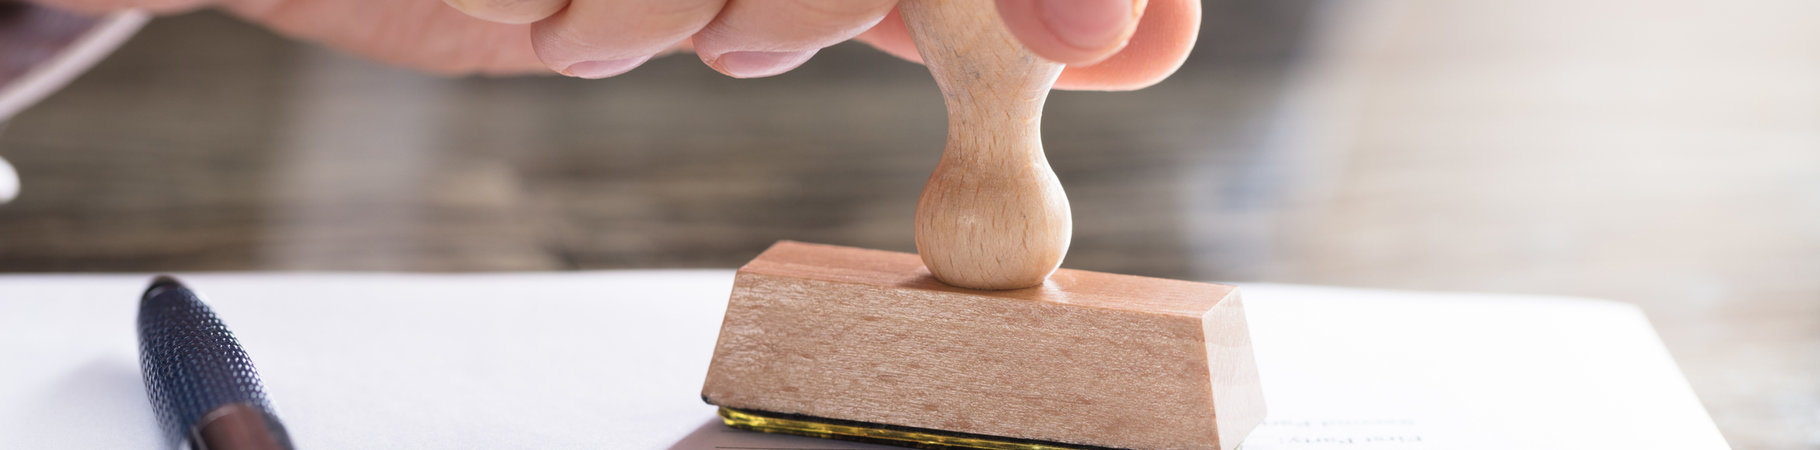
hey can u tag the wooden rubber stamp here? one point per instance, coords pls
(981, 342)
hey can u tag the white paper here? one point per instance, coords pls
(616, 360)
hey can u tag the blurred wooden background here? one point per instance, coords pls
(1665, 154)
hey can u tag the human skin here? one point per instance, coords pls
(1106, 44)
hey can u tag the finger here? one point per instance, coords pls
(1072, 31)
(761, 38)
(509, 11)
(421, 34)
(1164, 37)
(603, 38)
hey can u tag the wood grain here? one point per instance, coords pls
(1087, 358)
(993, 215)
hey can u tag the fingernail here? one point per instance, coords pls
(1087, 24)
(760, 64)
(594, 70)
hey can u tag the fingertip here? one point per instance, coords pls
(594, 70)
(753, 39)
(594, 39)
(1072, 31)
(756, 64)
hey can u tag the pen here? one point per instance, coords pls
(200, 381)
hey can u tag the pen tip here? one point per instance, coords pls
(162, 281)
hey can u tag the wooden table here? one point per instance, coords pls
(1661, 154)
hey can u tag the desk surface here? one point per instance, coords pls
(616, 360)
(1666, 160)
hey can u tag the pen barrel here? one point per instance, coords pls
(196, 374)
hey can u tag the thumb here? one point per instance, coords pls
(1073, 32)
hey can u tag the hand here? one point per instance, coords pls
(1107, 44)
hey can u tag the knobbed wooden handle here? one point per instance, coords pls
(993, 215)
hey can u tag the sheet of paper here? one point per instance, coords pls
(615, 360)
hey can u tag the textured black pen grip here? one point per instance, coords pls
(192, 363)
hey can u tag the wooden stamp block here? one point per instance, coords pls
(1085, 358)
